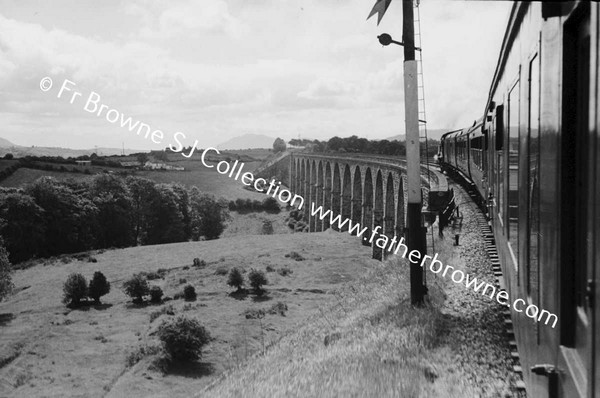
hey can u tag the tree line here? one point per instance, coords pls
(49, 217)
(355, 144)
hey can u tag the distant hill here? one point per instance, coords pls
(5, 143)
(248, 141)
(19, 151)
(434, 134)
(399, 137)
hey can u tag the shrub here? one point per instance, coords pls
(199, 263)
(270, 205)
(169, 310)
(254, 313)
(279, 308)
(222, 270)
(189, 293)
(270, 269)
(267, 227)
(284, 271)
(152, 275)
(98, 287)
(182, 281)
(74, 289)
(156, 294)
(236, 279)
(257, 280)
(295, 256)
(139, 353)
(137, 287)
(183, 338)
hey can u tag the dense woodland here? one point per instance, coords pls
(49, 217)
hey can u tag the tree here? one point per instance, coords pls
(69, 216)
(144, 198)
(236, 279)
(160, 155)
(257, 280)
(183, 338)
(156, 294)
(137, 287)
(9, 156)
(5, 271)
(98, 287)
(23, 231)
(208, 215)
(165, 221)
(271, 205)
(189, 293)
(113, 199)
(279, 145)
(74, 289)
(142, 158)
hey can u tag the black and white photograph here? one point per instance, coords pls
(299, 198)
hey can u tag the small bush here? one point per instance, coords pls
(257, 280)
(74, 289)
(295, 256)
(199, 263)
(183, 339)
(185, 267)
(156, 294)
(271, 205)
(254, 313)
(178, 296)
(270, 269)
(236, 279)
(137, 287)
(284, 271)
(168, 310)
(98, 287)
(139, 353)
(182, 281)
(222, 270)
(267, 227)
(279, 308)
(189, 293)
(151, 276)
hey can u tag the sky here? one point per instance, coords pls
(216, 69)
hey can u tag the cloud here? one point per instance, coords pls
(165, 21)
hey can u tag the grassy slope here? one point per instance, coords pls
(385, 349)
(83, 352)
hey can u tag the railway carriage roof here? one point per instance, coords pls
(514, 22)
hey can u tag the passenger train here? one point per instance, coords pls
(533, 159)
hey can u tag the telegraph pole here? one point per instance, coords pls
(416, 234)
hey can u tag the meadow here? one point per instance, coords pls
(48, 349)
(195, 173)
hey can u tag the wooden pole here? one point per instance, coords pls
(416, 237)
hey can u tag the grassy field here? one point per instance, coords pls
(195, 174)
(48, 350)
(24, 176)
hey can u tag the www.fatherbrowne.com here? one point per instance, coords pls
(436, 266)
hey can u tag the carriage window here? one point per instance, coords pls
(513, 170)
(576, 200)
(533, 193)
(499, 133)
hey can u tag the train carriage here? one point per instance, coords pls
(536, 160)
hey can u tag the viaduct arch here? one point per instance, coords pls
(368, 191)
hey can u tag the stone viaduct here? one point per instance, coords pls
(365, 189)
